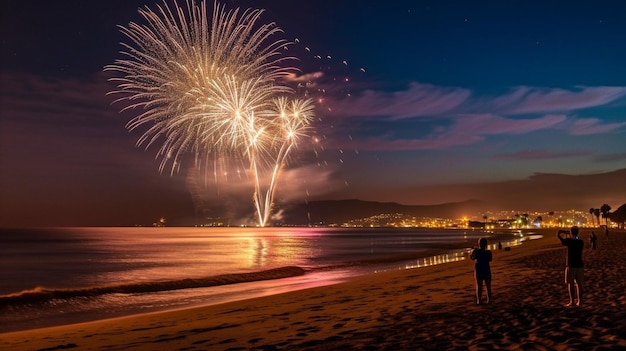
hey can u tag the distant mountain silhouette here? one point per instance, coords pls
(340, 211)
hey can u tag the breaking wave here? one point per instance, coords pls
(41, 294)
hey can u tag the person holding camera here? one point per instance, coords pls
(482, 270)
(574, 267)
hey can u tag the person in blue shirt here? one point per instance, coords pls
(574, 265)
(482, 270)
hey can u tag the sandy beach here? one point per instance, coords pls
(429, 308)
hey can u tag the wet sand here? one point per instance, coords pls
(429, 308)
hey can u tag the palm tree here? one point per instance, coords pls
(605, 209)
(619, 216)
(591, 211)
(596, 212)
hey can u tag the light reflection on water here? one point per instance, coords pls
(438, 259)
(462, 255)
(84, 257)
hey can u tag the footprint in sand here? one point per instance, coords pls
(254, 341)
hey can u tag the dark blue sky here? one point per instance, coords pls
(522, 104)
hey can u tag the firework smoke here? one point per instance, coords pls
(214, 88)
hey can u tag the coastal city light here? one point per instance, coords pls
(216, 88)
(488, 221)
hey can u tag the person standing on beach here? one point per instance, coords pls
(592, 240)
(482, 270)
(574, 266)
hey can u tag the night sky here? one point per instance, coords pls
(521, 104)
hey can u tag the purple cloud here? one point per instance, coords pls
(588, 126)
(492, 124)
(467, 118)
(538, 154)
(433, 143)
(525, 100)
(418, 100)
(465, 130)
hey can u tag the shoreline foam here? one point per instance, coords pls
(39, 295)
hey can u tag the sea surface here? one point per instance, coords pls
(56, 276)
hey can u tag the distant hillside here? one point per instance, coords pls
(340, 211)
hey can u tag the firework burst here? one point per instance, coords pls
(215, 88)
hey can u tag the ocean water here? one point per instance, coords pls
(67, 275)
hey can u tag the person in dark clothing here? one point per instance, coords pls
(574, 267)
(482, 270)
(592, 240)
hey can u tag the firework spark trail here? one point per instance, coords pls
(294, 120)
(215, 88)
